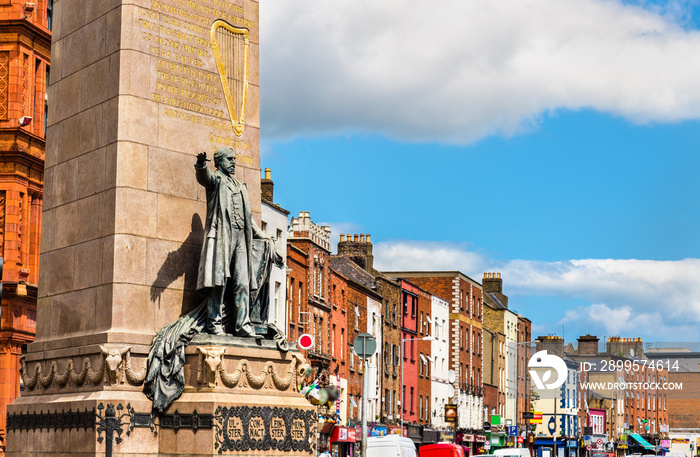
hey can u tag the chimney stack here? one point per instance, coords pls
(267, 187)
(588, 345)
(493, 284)
(552, 344)
(357, 248)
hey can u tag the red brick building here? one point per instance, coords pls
(309, 289)
(523, 354)
(466, 312)
(357, 249)
(25, 44)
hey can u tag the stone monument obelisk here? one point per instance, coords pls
(138, 88)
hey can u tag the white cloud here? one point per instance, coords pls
(425, 256)
(457, 71)
(660, 299)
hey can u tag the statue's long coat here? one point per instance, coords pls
(217, 250)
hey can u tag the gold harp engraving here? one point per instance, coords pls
(230, 47)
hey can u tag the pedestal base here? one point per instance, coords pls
(238, 401)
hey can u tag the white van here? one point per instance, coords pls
(512, 452)
(390, 446)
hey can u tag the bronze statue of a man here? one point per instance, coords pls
(226, 265)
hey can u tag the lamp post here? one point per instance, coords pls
(517, 373)
(403, 340)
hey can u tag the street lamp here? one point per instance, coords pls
(517, 373)
(403, 340)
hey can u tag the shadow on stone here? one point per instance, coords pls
(183, 261)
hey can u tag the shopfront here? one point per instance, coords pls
(430, 436)
(479, 444)
(544, 447)
(466, 440)
(343, 441)
(415, 432)
(324, 434)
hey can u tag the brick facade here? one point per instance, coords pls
(309, 250)
(465, 298)
(25, 44)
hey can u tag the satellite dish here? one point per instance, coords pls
(451, 376)
(632, 352)
(305, 341)
(450, 391)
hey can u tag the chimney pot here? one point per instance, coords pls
(268, 173)
(499, 275)
(355, 237)
(368, 238)
(342, 237)
(362, 238)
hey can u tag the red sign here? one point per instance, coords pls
(589, 447)
(599, 442)
(305, 341)
(521, 439)
(536, 417)
(343, 435)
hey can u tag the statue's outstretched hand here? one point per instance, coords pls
(201, 158)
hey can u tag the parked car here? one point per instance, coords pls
(512, 452)
(441, 450)
(390, 446)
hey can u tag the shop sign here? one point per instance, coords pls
(480, 438)
(447, 436)
(450, 413)
(379, 430)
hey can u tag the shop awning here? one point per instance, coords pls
(642, 441)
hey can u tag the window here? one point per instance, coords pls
(405, 304)
(333, 341)
(412, 410)
(49, 14)
(357, 317)
(420, 323)
(403, 398)
(342, 344)
(420, 407)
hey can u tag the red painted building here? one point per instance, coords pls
(25, 44)
(409, 363)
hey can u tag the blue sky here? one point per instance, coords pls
(553, 141)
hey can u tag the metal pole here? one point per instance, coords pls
(401, 386)
(556, 454)
(365, 389)
(517, 398)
